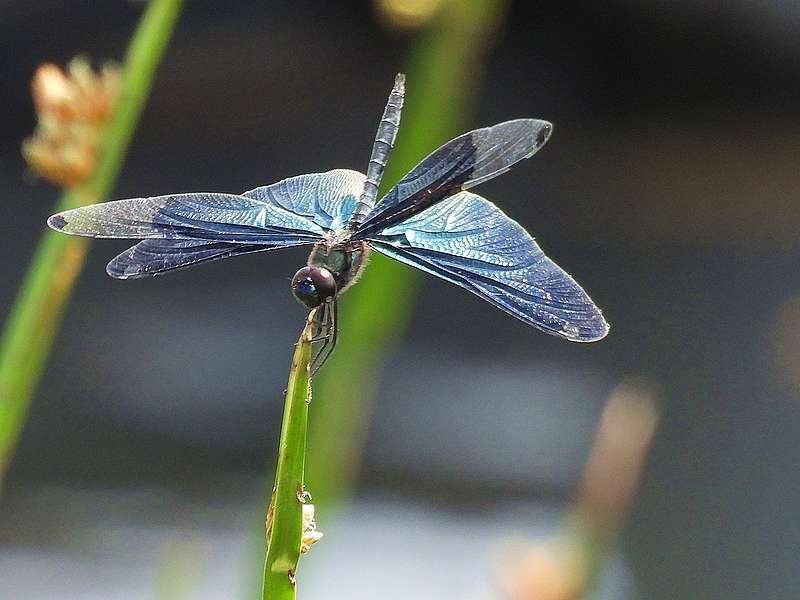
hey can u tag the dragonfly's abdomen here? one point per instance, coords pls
(346, 261)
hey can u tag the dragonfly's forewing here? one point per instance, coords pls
(181, 230)
(468, 241)
(459, 164)
(207, 216)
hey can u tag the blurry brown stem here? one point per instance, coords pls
(566, 567)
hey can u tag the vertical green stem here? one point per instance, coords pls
(283, 544)
(443, 74)
(36, 314)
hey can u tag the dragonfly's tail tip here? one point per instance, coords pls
(400, 81)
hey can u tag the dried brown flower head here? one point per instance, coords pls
(73, 107)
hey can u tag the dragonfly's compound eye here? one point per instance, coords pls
(313, 285)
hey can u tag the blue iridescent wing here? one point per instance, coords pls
(186, 229)
(326, 199)
(156, 256)
(205, 216)
(460, 164)
(468, 241)
(306, 205)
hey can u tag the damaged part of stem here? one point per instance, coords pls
(290, 520)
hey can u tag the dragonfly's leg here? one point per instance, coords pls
(323, 338)
(331, 337)
(319, 330)
(335, 322)
(320, 334)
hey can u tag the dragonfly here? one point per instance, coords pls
(430, 219)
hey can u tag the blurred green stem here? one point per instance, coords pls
(35, 317)
(286, 506)
(443, 73)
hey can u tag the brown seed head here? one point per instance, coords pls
(73, 107)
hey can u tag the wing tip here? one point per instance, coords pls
(587, 333)
(534, 133)
(121, 267)
(113, 271)
(544, 133)
(57, 222)
(601, 332)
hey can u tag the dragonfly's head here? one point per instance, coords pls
(313, 286)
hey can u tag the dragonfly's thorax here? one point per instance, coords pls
(346, 260)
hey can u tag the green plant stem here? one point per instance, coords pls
(37, 312)
(283, 545)
(443, 74)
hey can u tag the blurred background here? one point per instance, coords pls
(669, 190)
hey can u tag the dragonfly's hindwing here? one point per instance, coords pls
(468, 241)
(157, 256)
